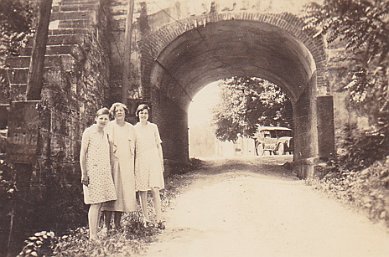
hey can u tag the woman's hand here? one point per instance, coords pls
(85, 180)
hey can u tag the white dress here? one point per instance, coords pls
(122, 139)
(148, 163)
(101, 188)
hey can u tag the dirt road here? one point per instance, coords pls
(256, 208)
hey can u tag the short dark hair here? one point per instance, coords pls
(102, 111)
(140, 108)
(115, 106)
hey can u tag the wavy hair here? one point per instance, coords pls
(114, 106)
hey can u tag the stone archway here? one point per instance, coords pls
(181, 58)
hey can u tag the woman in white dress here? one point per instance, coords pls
(122, 140)
(148, 163)
(95, 165)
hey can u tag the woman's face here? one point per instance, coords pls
(143, 115)
(120, 114)
(102, 120)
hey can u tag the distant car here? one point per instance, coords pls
(275, 140)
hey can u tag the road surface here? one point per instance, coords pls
(254, 207)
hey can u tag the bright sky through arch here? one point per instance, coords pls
(200, 110)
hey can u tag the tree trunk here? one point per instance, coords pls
(127, 52)
(35, 72)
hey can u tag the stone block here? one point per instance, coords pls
(23, 125)
(17, 92)
(18, 62)
(67, 31)
(61, 39)
(76, 23)
(65, 39)
(53, 60)
(326, 126)
(78, 2)
(71, 15)
(78, 7)
(18, 76)
(26, 51)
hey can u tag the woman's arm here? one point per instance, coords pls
(132, 140)
(83, 151)
(111, 154)
(159, 146)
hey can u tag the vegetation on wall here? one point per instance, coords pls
(247, 102)
(16, 18)
(362, 28)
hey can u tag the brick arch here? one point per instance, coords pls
(180, 58)
(155, 43)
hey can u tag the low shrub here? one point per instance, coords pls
(126, 242)
(362, 148)
(367, 189)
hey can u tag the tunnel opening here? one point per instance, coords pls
(240, 117)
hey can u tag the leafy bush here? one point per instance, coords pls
(367, 189)
(131, 240)
(363, 148)
(40, 244)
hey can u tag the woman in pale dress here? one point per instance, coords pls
(149, 166)
(95, 165)
(122, 139)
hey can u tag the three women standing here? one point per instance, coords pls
(118, 159)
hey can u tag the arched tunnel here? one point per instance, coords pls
(191, 58)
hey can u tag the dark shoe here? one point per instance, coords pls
(161, 225)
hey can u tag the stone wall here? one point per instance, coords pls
(76, 89)
(75, 82)
(44, 135)
(337, 76)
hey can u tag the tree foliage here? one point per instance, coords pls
(246, 102)
(16, 18)
(361, 27)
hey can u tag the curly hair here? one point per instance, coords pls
(114, 106)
